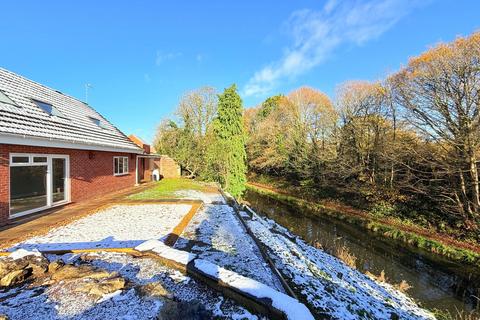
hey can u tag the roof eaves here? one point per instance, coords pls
(135, 149)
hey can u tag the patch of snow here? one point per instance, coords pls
(114, 227)
(198, 195)
(21, 253)
(179, 277)
(244, 316)
(147, 270)
(61, 301)
(216, 234)
(112, 295)
(329, 286)
(166, 252)
(288, 305)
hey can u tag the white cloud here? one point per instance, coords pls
(199, 57)
(162, 57)
(317, 34)
(147, 77)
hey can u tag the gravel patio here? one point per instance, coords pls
(214, 233)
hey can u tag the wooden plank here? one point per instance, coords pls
(178, 230)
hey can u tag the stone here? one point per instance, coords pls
(55, 265)
(102, 287)
(191, 310)
(15, 277)
(39, 265)
(154, 289)
(8, 265)
(70, 271)
(394, 316)
(88, 257)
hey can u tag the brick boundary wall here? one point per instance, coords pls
(168, 167)
(91, 173)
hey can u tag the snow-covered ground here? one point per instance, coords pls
(61, 301)
(114, 227)
(280, 301)
(209, 198)
(215, 234)
(333, 289)
(289, 306)
(122, 226)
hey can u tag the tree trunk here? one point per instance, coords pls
(392, 166)
(475, 186)
(465, 199)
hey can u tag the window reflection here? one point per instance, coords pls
(28, 188)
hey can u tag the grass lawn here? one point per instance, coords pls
(166, 188)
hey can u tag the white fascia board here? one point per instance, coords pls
(52, 143)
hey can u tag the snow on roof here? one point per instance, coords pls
(73, 123)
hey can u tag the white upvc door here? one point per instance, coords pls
(38, 182)
(59, 178)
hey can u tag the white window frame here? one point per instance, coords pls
(124, 170)
(48, 163)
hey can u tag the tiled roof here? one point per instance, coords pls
(25, 118)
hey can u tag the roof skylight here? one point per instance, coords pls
(5, 99)
(48, 108)
(98, 122)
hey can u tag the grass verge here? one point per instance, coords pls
(167, 188)
(382, 229)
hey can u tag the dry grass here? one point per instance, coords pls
(338, 250)
(464, 315)
(342, 252)
(403, 286)
(348, 258)
(457, 315)
(380, 278)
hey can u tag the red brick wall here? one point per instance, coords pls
(89, 178)
(168, 167)
(4, 184)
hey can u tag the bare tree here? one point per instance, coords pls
(439, 90)
(188, 140)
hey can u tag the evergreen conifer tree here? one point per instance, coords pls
(229, 132)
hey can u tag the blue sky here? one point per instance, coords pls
(141, 56)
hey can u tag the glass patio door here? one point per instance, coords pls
(59, 179)
(28, 188)
(37, 182)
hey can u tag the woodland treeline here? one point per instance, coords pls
(406, 146)
(208, 137)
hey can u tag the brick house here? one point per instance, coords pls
(55, 150)
(150, 161)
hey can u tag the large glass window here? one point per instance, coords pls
(37, 181)
(28, 188)
(120, 165)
